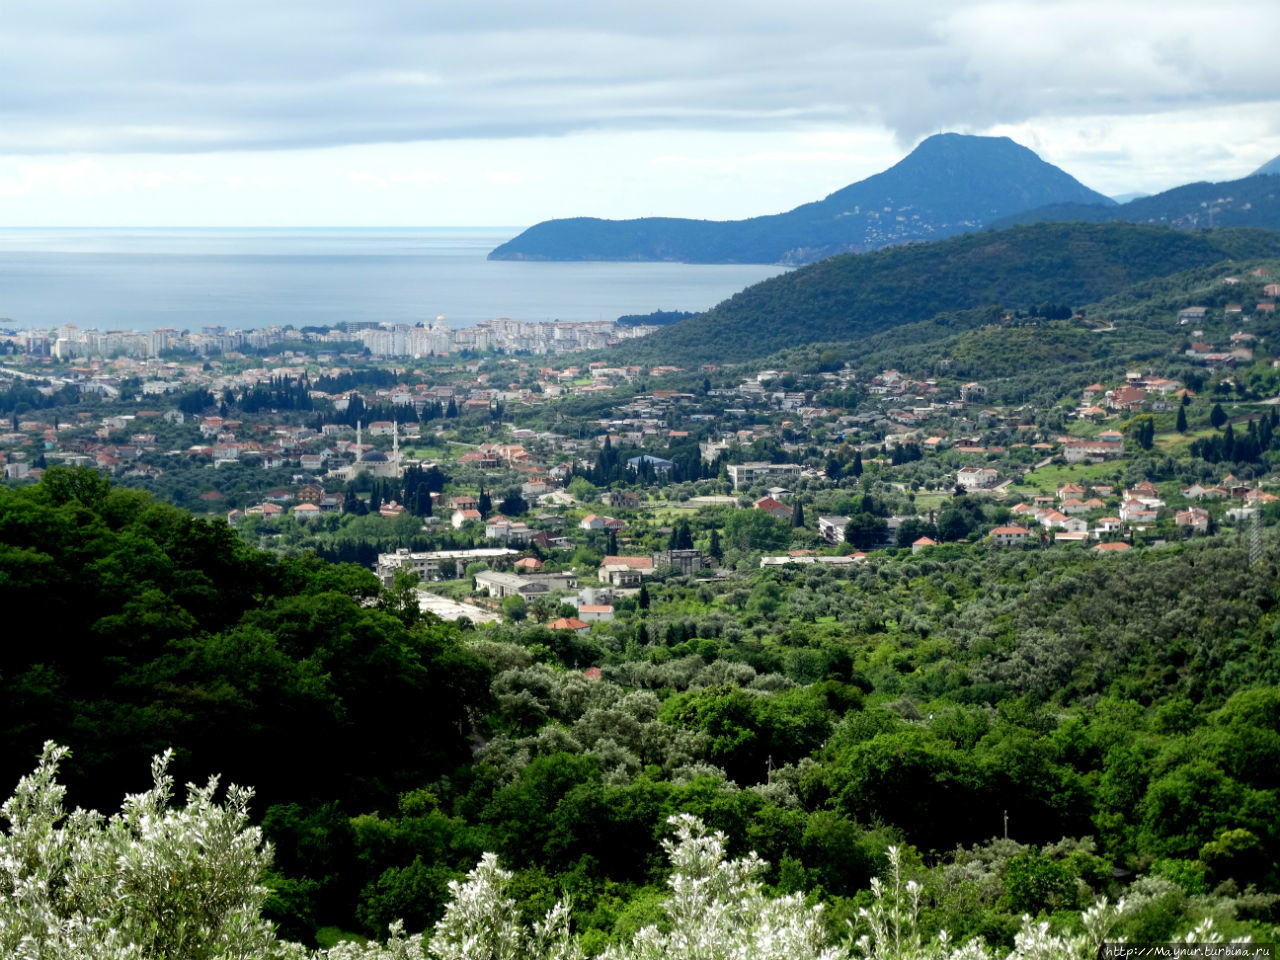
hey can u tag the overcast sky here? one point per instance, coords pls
(381, 112)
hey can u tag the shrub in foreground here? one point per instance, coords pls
(159, 881)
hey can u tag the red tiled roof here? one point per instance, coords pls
(567, 623)
(635, 563)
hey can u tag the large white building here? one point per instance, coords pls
(745, 474)
(437, 564)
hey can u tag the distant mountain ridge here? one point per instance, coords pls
(951, 183)
(1271, 167)
(1251, 202)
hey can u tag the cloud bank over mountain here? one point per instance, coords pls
(162, 77)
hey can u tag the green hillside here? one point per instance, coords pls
(856, 295)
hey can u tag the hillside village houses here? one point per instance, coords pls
(977, 439)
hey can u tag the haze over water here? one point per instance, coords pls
(142, 279)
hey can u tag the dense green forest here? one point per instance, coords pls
(970, 278)
(148, 628)
(1121, 711)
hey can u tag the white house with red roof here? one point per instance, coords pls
(1009, 536)
(464, 516)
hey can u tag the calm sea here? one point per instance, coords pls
(141, 279)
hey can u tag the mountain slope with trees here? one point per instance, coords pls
(274, 671)
(854, 296)
(1251, 202)
(951, 183)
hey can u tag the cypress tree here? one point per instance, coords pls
(1181, 424)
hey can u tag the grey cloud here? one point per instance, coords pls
(171, 77)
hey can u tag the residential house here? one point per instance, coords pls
(596, 612)
(570, 623)
(1127, 398)
(1135, 512)
(774, 508)
(306, 511)
(1195, 518)
(1056, 520)
(1009, 536)
(1077, 451)
(624, 571)
(977, 478)
(464, 516)
(832, 529)
(1109, 525)
(1145, 492)
(507, 531)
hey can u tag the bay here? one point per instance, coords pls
(145, 279)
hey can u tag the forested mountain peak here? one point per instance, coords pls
(949, 184)
(961, 176)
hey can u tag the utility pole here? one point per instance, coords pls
(1255, 540)
(1006, 824)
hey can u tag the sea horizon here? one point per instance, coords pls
(143, 278)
